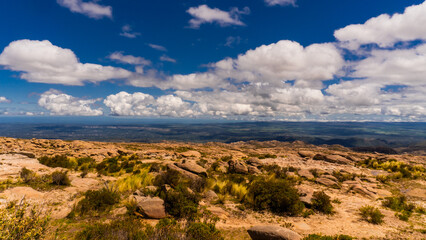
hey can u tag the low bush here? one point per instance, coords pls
(203, 231)
(18, 221)
(371, 214)
(322, 203)
(181, 203)
(60, 178)
(277, 195)
(27, 175)
(96, 201)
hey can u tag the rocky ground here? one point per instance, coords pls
(315, 168)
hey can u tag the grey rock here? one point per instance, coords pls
(237, 167)
(151, 207)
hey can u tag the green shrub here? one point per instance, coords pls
(18, 221)
(57, 161)
(371, 214)
(398, 204)
(322, 237)
(181, 203)
(60, 178)
(322, 203)
(27, 175)
(97, 201)
(117, 164)
(276, 195)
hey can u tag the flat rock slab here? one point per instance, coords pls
(267, 232)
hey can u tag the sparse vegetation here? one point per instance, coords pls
(19, 221)
(398, 168)
(323, 237)
(371, 214)
(135, 229)
(45, 182)
(399, 204)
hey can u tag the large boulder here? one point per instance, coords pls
(188, 174)
(193, 167)
(151, 207)
(237, 167)
(268, 232)
(308, 154)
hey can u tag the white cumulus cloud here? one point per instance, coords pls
(59, 103)
(141, 104)
(204, 14)
(386, 30)
(43, 62)
(91, 9)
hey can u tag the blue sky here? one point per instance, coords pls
(251, 60)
